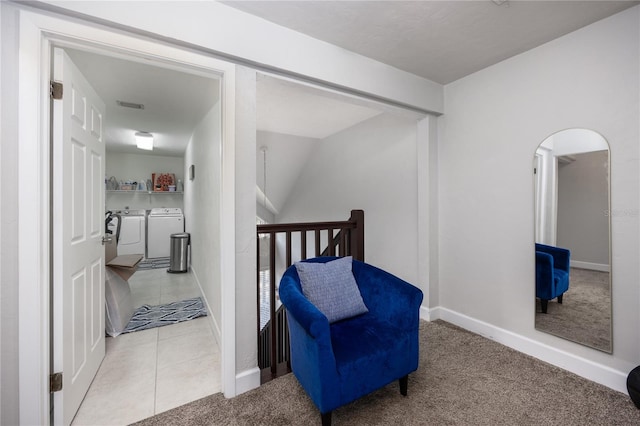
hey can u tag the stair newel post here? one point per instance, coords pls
(357, 235)
(258, 286)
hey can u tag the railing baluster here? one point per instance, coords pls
(303, 245)
(347, 241)
(317, 242)
(288, 249)
(343, 248)
(332, 247)
(272, 302)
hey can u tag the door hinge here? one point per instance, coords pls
(56, 90)
(55, 382)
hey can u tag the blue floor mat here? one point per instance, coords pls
(147, 316)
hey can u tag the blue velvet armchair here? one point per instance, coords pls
(552, 273)
(340, 362)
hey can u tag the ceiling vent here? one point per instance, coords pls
(130, 105)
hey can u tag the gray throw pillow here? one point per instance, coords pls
(332, 288)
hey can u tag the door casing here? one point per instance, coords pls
(38, 34)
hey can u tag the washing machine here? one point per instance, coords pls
(132, 239)
(161, 223)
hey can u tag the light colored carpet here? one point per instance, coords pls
(463, 379)
(585, 313)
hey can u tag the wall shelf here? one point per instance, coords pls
(120, 191)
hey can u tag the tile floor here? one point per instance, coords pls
(151, 371)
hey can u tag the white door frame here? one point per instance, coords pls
(38, 33)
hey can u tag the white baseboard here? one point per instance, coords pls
(247, 380)
(425, 313)
(590, 265)
(607, 376)
(212, 319)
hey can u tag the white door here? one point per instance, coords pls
(78, 153)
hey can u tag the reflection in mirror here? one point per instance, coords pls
(572, 238)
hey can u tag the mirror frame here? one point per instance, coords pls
(608, 214)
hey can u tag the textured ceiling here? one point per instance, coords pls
(438, 40)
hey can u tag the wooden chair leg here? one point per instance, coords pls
(543, 305)
(560, 298)
(326, 419)
(404, 382)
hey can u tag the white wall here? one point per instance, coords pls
(137, 167)
(583, 208)
(286, 156)
(264, 214)
(371, 166)
(8, 219)
(494, 121)
(202, 208)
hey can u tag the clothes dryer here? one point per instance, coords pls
(132, 238)
(161, 223)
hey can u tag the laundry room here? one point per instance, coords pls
(151, 115)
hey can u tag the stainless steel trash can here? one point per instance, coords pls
(178, 257)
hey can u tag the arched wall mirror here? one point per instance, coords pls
(572, 238)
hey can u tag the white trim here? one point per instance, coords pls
(247, 380)
(33, 227)
(37, 34)
(602, 267)
(425, 314)
(588, 369)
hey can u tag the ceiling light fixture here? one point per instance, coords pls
(144, 140)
